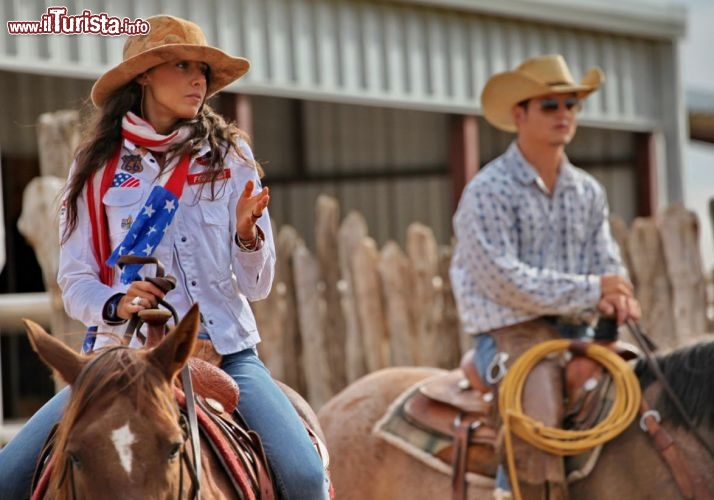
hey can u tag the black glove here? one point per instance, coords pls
(606, 330)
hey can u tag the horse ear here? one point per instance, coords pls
(173, 352)
(54, 352)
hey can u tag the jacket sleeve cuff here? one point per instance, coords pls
(110, 310)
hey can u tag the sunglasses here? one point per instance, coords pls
(551, 104)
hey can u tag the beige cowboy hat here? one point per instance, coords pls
(169, 38)
(533, 78)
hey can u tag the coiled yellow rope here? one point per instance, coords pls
(559, 441)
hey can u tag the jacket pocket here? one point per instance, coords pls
(228, 287)
(214, 213)
(122, 206)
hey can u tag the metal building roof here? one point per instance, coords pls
(423, 54)
(417, 54)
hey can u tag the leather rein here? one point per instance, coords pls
(156, 331)
(690, 485)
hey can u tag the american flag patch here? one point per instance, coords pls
(125, 180)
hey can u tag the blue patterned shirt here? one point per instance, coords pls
(523, 253)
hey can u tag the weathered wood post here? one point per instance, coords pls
(327, 221)
(370, 305)
(397, 282)
(310, 294)
(353, 231)
(435, 347)
(455, 341)
(58, 137)
(277, 316)
(679, 229)
(652, 287)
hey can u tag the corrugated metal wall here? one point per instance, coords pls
(373, 82)
(389, 164)
(365, 51)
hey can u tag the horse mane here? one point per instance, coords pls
(111, 371)
(689, 371)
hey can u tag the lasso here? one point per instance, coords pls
(559, 441)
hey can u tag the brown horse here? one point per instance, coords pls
(364, 466)
(122, 435)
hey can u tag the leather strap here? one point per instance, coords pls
(642, 339)
(665, 446)
(192, 425)
(691, 486)
(251, 477)
(463, 427)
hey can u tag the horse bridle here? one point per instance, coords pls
(193, 468)
(166, 284)
(651, 360)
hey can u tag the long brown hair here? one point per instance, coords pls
(103, 132)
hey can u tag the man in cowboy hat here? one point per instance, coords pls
(534, 246)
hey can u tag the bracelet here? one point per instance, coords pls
(250, 245)
(247, 245)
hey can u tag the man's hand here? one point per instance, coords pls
(617, 299)
(614, 283)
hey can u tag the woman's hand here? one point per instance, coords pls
(249, 209)
(139, 296)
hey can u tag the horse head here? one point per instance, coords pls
(122, 434)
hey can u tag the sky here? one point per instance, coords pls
(697, 59)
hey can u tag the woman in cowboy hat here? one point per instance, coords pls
(162, 174)
(533, 239)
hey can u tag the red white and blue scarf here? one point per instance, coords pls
(157, 213)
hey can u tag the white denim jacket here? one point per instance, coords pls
(198, 249)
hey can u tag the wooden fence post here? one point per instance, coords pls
(57, 137)
(619, 232)
(652, 286)
(352, 231)
(455, 341)
(369, 302)
(277, 316)
(679, 229)
(435, 349)
(397, 283)
(327, 220)
(310, 290)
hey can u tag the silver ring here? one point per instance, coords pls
(136, 301)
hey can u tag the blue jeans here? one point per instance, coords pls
(296, 466)
(18, 457)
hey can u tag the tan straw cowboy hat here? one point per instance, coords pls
(535, 77)
(169, 38)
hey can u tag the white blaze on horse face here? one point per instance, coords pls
(123, 438)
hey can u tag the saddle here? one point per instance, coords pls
(460, 406)
(214, 385)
